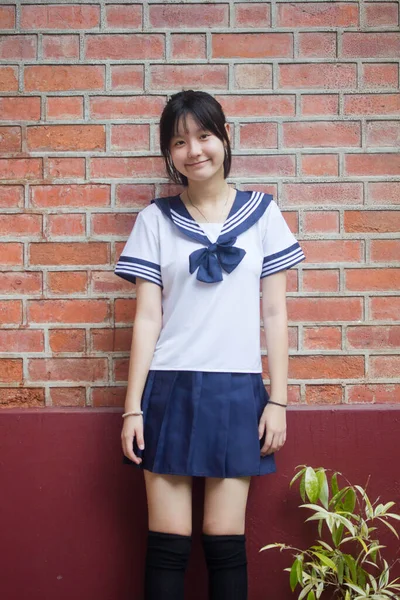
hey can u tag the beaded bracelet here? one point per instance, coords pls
(132, 412)
(277, 403)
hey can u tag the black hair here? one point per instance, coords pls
(207, 111)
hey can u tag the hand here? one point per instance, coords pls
(132, 427)
(273, 421)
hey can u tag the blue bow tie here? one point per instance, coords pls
(211, 260)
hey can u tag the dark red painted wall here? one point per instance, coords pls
(73, 517)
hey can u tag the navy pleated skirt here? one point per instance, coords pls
(203, 424)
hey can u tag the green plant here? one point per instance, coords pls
(346, 561)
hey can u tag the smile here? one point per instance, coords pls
(197, 163)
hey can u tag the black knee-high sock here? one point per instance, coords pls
(227, 566)
(166, 560)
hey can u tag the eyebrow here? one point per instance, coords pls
(179, 134)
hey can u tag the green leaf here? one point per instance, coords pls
(280, 546)
(311, 595)
(326, 561)
(311, 485)
(303, 487)
(347, 597)
(389, 526)
(323, 488)
(305, 591)
(349, 501)
(351, 563)
(334, 484)
(299, 474)
(293, 575)
(337, 534)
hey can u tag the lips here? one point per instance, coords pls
(197, 163)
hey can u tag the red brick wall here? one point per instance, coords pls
(312, 92)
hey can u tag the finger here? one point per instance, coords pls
(261, 429)
(127, 446)
(267, 444)
(140, 439)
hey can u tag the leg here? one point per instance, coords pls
(223, 537)
(169, 500)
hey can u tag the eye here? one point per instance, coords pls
(179, 142)
(205, 135)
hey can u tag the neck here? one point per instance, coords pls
(208, 193)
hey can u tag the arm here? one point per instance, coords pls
(146, 330)
(275, 324)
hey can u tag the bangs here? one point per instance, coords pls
(201, 117)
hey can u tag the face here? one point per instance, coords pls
(197, 153)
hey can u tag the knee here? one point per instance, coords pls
(224, 551)
(222, 527)
(168, 550)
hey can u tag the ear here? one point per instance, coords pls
(228, 130)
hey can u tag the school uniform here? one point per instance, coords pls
(204, 394)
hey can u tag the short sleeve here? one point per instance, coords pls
(280, 247)
(141, 254)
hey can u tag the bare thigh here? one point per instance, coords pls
(169, 501)
(225, 503)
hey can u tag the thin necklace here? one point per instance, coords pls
(202, 214)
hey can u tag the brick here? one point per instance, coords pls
(317, 45)
(68, 311)
(384, 366)
(7, 17)
(20, 225)
(8, 78)
(56, 78)
(10, 370)
(134, 195)
(322, 338)
(292, 281)
(258, 105)
(324, 394)
(320, 165)
(68, 396)
(384, 192)
(292, 219)
(124, 16)
(71, 16)
(21, 340)
(252, 45)
(66, 168)
(68, 369)
(313, 75)
(381, 14)
(117, 339)
(121, 369)
(106, 282)
(11, 196)
(321, 194)
(372, 279)
(10, 139)
(326, 367)
(258, 135)
(18, 47)
(67, 340)
(322, 134)
(125, 310)
(143, 166)
(130, 137)
(324, 309)
(20, 282)
(317, 104)
(122, 46)
(321, 14)
(165, 77)
(385, 308)
(60, 46)
(109, 396)
(321, 251)
(321, 222)
(371, 221)
(372, 164)
(11, 254)
(376, 75)
(185, 45)
(107, 224)
(267, 166)
(374, 393)
(66, 224)
(16, 397)
(125, 107)
(372, 104)
(68, 196)
(253, 14)
(127, 77)
(182, 16)
(253, 76)
(65, 253)
(67, 282)
(66, 137)
(385, 250)
(383, 133)
(320, 280)
(170, 189)
(292, 338)
(21, 168)
(370, 45)
(369, 336)
(20, 109)
(65, 107)
(10, 312)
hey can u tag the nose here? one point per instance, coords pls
(194, 149)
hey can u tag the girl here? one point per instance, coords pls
(196, 405)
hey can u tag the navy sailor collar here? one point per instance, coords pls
(247, 209)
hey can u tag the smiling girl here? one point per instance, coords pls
(196, 405)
